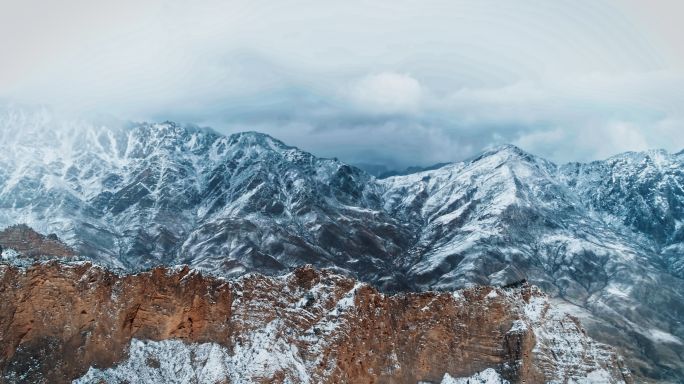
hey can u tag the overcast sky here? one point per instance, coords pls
(386, 82)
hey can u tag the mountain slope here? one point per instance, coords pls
(638, 194)
(150, 194)
(506, 216)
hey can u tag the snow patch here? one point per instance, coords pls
(9, 253)
(664, 337)
(172, 361)
(518, 326)
(168, 361)
(488, 376)
(598, 376)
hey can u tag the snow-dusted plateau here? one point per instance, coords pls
(604, 241)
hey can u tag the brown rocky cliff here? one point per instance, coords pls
(57, 320)
(32, 245)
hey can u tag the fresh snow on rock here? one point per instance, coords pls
(168, 361)
(9, 253)
(488, 376)
(141, 195)
(173, 361)
(563, 344)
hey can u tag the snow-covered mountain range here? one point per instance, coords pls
(604, 239)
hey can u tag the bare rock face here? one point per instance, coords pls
(27, 243)
(76, 321)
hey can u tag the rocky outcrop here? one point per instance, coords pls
(24, 242)
(76, 321)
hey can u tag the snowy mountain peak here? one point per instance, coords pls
(257, 139)
(510, 154)
(656, 157)
(508, 150)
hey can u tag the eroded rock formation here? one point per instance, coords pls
(64, 321)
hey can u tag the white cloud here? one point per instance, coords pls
(388, 92)
(668, 134)
(611, 138)
(627, 137)
(523, 91)
(662, 90)
(531, 141)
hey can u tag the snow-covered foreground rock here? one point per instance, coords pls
(488, 376)
(61, 322)
(603, 239)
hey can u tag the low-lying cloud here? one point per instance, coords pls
(388, 92)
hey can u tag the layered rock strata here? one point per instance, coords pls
(76, 321)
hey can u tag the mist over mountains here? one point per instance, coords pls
(605, 239)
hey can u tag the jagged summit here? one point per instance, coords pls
(641, 154)
(505, 149)
(252, 138)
